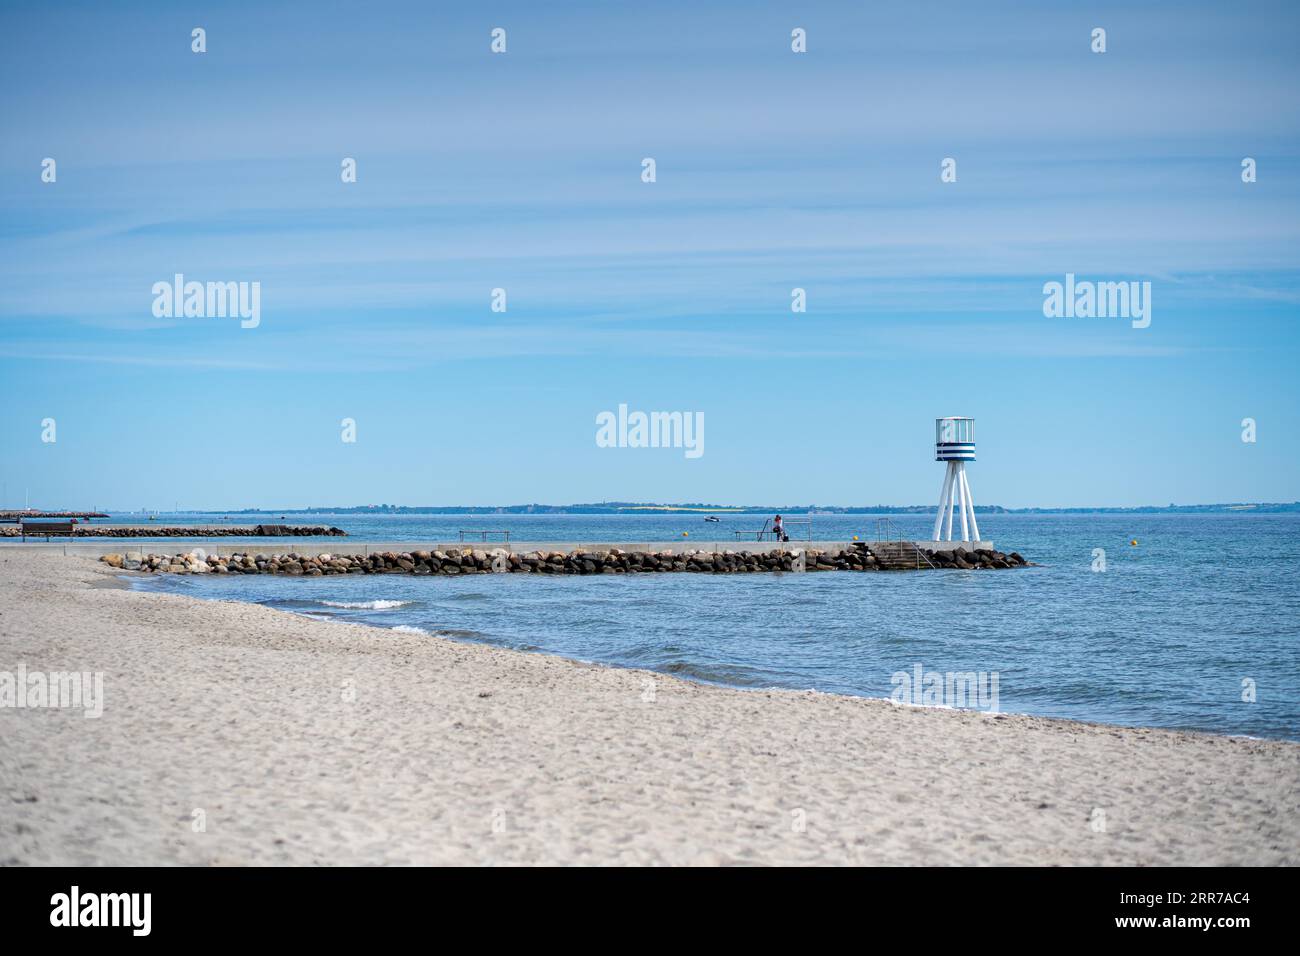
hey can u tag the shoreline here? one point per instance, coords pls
(143, 583)
(450, 752)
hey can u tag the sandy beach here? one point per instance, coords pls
(234, 734)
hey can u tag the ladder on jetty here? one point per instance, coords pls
(894, 552)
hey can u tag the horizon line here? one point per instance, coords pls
(652, 507)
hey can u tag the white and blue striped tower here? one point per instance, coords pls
(954, 442)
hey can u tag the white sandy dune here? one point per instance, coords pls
(293, 741)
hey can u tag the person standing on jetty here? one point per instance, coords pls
(778, 529)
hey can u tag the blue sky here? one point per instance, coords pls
(522, 171)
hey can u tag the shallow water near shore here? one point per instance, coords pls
(1174, 633)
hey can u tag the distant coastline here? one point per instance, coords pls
(629, 507)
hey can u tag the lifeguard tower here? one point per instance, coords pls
(954, 442)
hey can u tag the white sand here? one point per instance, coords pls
(452, 753)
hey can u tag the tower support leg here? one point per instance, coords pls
(970, 504)
(961, 494)
(945, 501)
(952, 495)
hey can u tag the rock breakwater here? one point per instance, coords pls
(859, 556)
(145, 531)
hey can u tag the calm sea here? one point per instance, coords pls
(1180, 630)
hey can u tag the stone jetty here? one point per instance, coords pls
(858, 556)
(219, 531)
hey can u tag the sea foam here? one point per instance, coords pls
(367, 605)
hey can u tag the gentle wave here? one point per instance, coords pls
(456, 632)
(717, 674)
(438, 632)
(367, 605)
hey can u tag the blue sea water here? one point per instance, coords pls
(1174, 633)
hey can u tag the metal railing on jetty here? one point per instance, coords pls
(889, 533)
(483, 535)
(766, 533)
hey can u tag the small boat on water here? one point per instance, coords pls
(712, 518)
